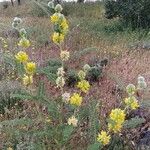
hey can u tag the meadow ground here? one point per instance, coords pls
(92, 38)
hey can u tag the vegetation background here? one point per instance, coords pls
(98, 31)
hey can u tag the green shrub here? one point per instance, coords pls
(134, 13)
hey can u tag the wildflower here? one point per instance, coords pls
(73, 121)
(27, 80)
(81, 75)
(30, 67)
(117, 115)
(76, 99)
(141, 78)
(48, 120)
(55, 18)
(23, 32)
(83, 85)
(9, 148)
(17, 20)
(116, 127)
(64, 55)
(24, 42)
(22, 57)
(86, 68)
(131, 102)
(66, 97)
(130, 89)
(60, 81)
(58, 38)
(60, 71)
(58, 8)
(51, 5)
(103, 138)
(142, 85)
(64, 25)
(117, 118)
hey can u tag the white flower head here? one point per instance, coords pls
(73, 121)
(66, 97)
(60, 72)
(141, 78)
(17, 20)
(60, 81)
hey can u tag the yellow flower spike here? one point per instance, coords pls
(132, 102)
(64, 25)
(30, 67)
(83, 86)
(116, 127)
(24, 43)
(22, 57)
(27, 80)
(118, 115)
(55, 18)
(103, 138)
(76, 99)
(58, 38)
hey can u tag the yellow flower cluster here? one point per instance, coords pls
(76, 99)
(24, 42)
(58, 37)
(22, 57)
(131, 102)
(30, 68)
(117, 118)
(103, 138)
(60, 25)
(55, 18)
(83, 86)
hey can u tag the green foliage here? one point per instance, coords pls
(94, 73)
(134, 13)
(134, 122)
(6, 89)
(50, 70)
(39, 9)
(72, 78)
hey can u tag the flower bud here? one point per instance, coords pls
(141, 78)
(130, 89)
(58, 8)
(81, 75)
(51, 5)
(142, 85)
(86, 67)
(66, 97)
(23, 32)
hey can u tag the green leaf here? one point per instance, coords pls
(134, 122)
(67, 132)
(95, 146)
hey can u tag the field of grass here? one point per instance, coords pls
(34, 118)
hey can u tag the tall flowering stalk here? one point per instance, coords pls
(22, 57)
